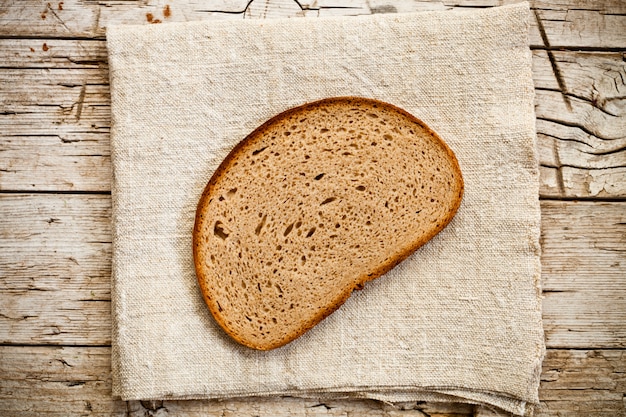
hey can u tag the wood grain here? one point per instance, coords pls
(581, 124)
(583, 270)
(54, 124)
(56, 268)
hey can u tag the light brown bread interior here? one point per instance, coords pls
(310, 206)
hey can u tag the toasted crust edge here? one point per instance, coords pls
(343, 297)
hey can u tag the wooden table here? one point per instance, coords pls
(55, 205)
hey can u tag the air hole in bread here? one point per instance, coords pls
(219, 231)
(288, 229)
(310, 233)
(328, 200)
(319, 176)
(257, 231)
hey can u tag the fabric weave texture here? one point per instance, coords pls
(459, 320)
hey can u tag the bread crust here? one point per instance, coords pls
(383, 268)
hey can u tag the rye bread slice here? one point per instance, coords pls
(311, 205)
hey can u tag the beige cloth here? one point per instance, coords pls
(460, 320)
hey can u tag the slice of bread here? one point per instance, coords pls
(311, 205)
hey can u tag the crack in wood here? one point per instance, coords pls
(51, 10)
(21, 318)
(327, 407)
(585, 168)
(604, 152)
(578, 126)
(153, 405)
(242, 12)
(64, 362)
(595, 102)
(309, 8)
(563, 139)
(555, 68)
(90, 62)
(609, 13)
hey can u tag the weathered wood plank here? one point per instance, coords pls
(57, 381)
(54, 125)
(72, 381)
(56, 271)
(581, 124)
(569, 24)
(587, 383)
(583, 270)
(58, 53)
(55, 116)
(583, 245)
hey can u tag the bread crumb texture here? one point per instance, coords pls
(310, 206)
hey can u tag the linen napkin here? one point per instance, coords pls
(460, 320)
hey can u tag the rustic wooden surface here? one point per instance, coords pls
(55, 236)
